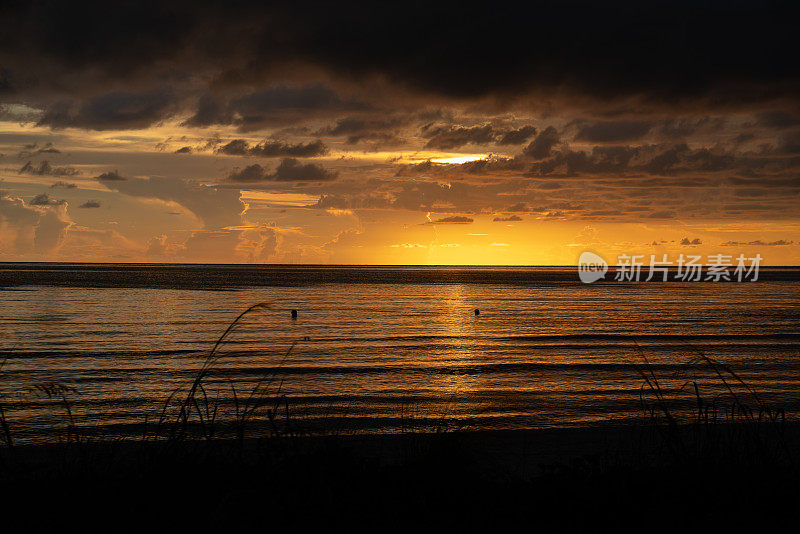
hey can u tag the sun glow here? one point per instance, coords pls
(460, 159)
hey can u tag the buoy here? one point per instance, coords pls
(477, 312)
(294, 314)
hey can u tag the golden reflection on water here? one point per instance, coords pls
(535, 356)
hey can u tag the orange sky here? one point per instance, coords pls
(414, 206)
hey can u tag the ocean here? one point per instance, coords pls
(97, 350)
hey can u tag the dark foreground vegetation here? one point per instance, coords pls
(628, 480)
(727, 460)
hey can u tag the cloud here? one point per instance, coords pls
(520, 206)
(45, 169)
(687, 241)
(260, 245)
(613, 131)
(51, 230)
(518, 136)
(31, 228)
(789, 143)
(542, 146)
(274, 148)
(33, 150)
(112, 111)
(605, 131)
(450, 137)
(64, 185)
(489, 164)
(43, 199)
(157, 246)
(758, 242)
(216, 207)
(455, 219)
(260, 64)
(289, 170)
(90, 204)
(456, 196)
(20, 222)
(510, 218)
(778, 119)
(254, 245)
(111, 176)
(660, 160)
(250, 174)
(218, 246)
(358, 129)
(280, 104)
(18, 113)
(661, 214)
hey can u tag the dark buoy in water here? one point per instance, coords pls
(477, 312)
(294, 314)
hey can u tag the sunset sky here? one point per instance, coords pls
(398, 134)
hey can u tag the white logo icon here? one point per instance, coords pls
(591, 267)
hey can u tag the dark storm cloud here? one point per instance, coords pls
(542, 146)
(284, 97)
(289, 170)
(251, 173)
(65, 185)
(450, 137)
(518, 136)
(680, 128)
(789, 143)
(357, 129)
(511, 218)
(490, 164)
(110, 65)
(90, 204)
(651, 109)
(648, 159)
(778, 119)
(613, 131)
(274, 148)
(271, 106)
(112, 111)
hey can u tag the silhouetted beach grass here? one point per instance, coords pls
(708, 452)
